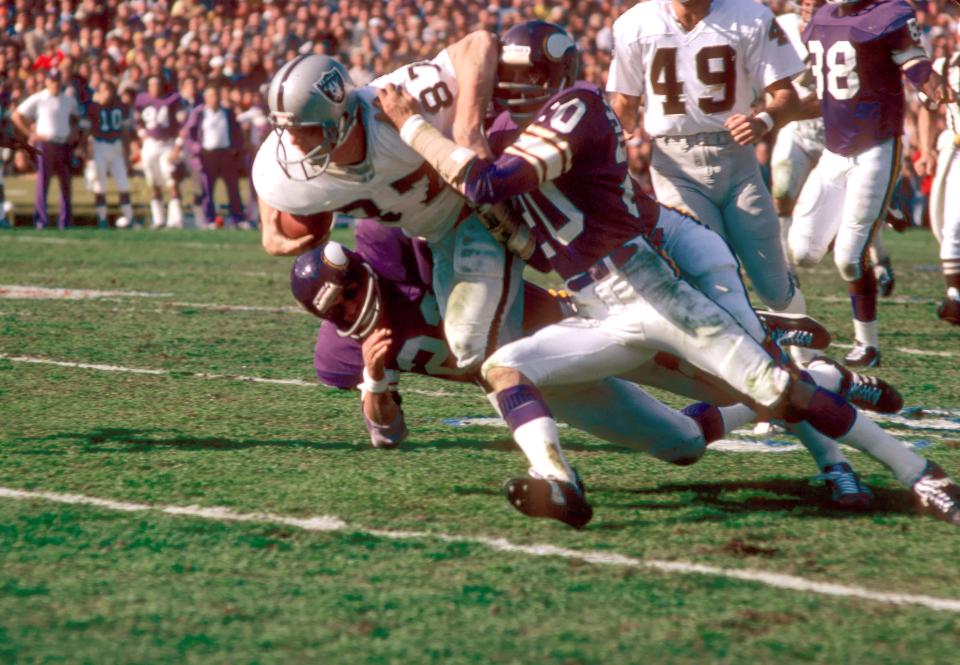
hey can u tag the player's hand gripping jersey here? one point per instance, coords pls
(856, 60)
(393, 184)
(693, 81)
(158, 116)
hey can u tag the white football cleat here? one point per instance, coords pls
(122, 222)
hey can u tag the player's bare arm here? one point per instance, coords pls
(23, 126)
(379, 407)
(782, 107)
(274, 241)
(627, 108)
(474, 61)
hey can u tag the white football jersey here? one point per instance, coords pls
(950, 71)
(693, 81)
(393, 184)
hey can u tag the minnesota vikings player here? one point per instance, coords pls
(332, 153)
(380, 298)
(110, 123)
(380, 319)
(945, 207)
(566, 174)
(699, 65)
(858, 51)
(798, 147)
(158, 127)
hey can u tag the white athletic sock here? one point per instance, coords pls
(953, 293)
(736, 416)
(540, 442)
(824, 450)
(869, 437)
(825, 375)
(174, 214)
(156, 214)
(101, 213)
(126, 209)
(199, 217)
(798, 305)
(866, 333)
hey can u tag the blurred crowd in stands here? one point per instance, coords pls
(239, 44)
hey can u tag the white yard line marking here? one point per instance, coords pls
(197, 375)
(912, 352)
(331, 523)
(290, 309)
(24, 292)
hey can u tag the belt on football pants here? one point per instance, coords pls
(602, 268)
(703, 138)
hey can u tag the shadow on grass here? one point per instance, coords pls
(118, 439)
(799, 497)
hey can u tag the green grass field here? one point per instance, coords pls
(427, 563)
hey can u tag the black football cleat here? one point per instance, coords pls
(886, 279)
(795, 330)
(847, 491)
(866, 392)
(949, 311)
(898, 219)
(937, 494)
(546, 497)
(862, 356)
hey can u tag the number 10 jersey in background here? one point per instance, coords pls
(693, 81)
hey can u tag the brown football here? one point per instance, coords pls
(297, 226)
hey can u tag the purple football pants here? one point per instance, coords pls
(227, 164)
(53, 160)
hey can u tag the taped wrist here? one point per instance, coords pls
(371, 385)
(507, 229)
(449, 159)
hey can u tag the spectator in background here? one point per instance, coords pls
(213, 136)
(49, 118)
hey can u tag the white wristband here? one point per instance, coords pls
(370, 385)
(410, 127)
(766, 119)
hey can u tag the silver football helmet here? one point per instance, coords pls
(312, 91)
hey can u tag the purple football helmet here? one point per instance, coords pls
(335, 284)
(537, 59)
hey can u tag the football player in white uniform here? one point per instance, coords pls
(945, 207)
(332, 154)
(699, 66)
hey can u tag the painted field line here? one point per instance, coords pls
(196, 375)
(912, 352)
(332, 523)
(26, 292)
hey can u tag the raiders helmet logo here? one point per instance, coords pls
(331, 86)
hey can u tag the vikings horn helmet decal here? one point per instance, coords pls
(335, 284)
(537, 59)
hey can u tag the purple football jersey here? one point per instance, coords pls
(566, 175)
(158, 116)
(107, 122)
(858, 82)
(410, 311)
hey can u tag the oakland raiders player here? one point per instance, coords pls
(332, 153)
(566, 175)
(944, 201)
(858, 52)
(110, 124)
(699, 65)
(158, 127)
